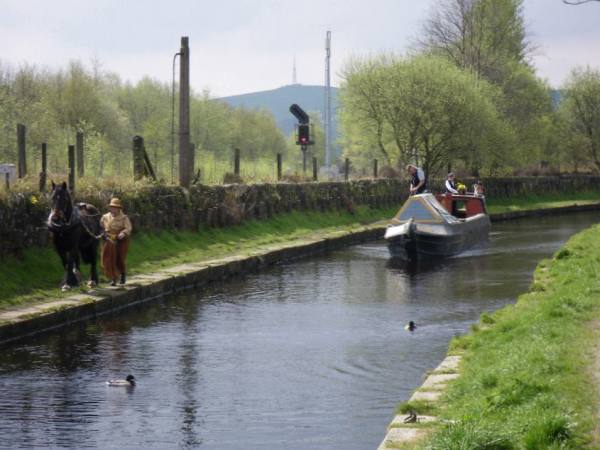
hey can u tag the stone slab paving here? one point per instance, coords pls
(400, 433)
(426, 396)
(449, 365)
(399, 420)
(438, 381)
(397, 436)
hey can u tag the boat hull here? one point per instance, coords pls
(440, 240)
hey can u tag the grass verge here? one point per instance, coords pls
(36, 276)
(525, 379)
(529, 202)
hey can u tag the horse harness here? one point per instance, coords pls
(81, 212)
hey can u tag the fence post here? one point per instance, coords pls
(7, 180)
(138, 157)
(72, 168)
(79, 148)
(192, 161)
(22, 151)
(346, 169)
(315, 171)
(44, 171)
(374, 168)
(236, 162)
(279, 165)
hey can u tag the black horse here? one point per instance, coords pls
(76, 231)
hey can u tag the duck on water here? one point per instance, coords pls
(439, 226)
(127, 382)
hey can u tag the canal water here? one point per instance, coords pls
(309, 355)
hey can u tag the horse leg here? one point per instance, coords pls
(65, 263)
(76, 267)
(71, 279)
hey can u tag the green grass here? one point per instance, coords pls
(526, 381)
(503, 205)
(36, 276)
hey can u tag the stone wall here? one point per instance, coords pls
(22, 215)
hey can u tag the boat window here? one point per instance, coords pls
(448, 218)
(417, 211)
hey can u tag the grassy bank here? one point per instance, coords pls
(526, 381)
(36, 277)
(541, 202)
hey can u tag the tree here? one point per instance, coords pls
(425, 111)
(479, 35)
(581, 111)
(578, 2)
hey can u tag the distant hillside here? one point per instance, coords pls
(278, 101)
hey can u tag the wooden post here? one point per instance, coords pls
(315, 172)
(279, 166)
(43, 173)
(184, 114)
(192, 161)
(374, 168)
(148, 170)
(236, 161)
(138, 157)
(79, 148)
(72, 168)
(346, 169)
(21, 146)
(7, 180)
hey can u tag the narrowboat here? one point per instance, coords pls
(438, 226)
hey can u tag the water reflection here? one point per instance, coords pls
(311, 355)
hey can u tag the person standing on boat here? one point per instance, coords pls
(117, 229)
(418, 182)
(451, 184)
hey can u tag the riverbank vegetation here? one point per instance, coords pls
(36, 276)
(526, 378)
(531, 202)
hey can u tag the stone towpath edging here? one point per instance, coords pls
(26, 321)
(402, 430)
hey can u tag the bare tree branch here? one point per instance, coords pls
(578, 2)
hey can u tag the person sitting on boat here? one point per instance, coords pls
(451, 184)
(418, 182)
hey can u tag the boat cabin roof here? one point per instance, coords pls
(449, 208)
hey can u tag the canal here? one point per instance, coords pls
(310, 355)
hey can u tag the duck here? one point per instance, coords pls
(411, 417)
(129, 381)
(411, 326)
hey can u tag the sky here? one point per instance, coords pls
(240, 46)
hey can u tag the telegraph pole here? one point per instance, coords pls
(327, 118)
(185, 171)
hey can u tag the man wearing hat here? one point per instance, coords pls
(451, 184)
(117, 229)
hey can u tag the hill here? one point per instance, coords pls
(277, 101)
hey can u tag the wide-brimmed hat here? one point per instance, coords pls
(115, 202)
